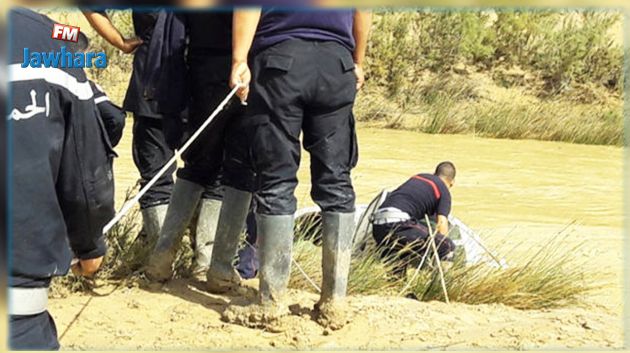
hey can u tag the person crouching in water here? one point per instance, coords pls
(399, 224)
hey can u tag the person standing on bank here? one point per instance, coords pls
(62, 183)
(307, 68)
(208, 59)
(149, 147)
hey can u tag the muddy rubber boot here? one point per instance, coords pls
(152, 220)
(275, 244)
(206, 231)
(337, 233)
(275, 239)
(222, 276)
(184, 200)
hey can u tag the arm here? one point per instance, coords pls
(84, 185)
(442, 225)
(104, 27)
(113, 119)
(112, 116)
(443, 210)
(361, 32)
(243, 31)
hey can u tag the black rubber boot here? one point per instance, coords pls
(222, 276)
(184, 200)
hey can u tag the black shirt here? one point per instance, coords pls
(423, 194)
(143, 23)
(209, 32)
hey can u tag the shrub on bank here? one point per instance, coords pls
(420, 63)
(562, 48)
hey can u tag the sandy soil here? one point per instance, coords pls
(513, 192)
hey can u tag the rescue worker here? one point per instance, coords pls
(399, 225)
(307, 67)
(149, 147)
(62, 181)
(208, 59)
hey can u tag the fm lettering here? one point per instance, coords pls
(66, 33)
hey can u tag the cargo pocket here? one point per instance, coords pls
(102, 191)
(278, 62)
(347, 64)
(349, 78)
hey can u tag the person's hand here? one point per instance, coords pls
(87, 268)
(241, 75)
(358, 72)
(130, 44)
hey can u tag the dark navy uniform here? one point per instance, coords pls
(209, 60)
(304, 81)
(62, 180)
(150, 150)
(248, 263)
(112, 116)
(400, 220)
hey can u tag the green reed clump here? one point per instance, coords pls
(546, 276)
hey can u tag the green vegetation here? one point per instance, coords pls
(539, 75)
(549, 75)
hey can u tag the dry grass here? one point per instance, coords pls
(541, 276)
(128, 252)
(415, 60)
(546, 278)
(453, 104)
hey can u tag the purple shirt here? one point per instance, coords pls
(313, 24)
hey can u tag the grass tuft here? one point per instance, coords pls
(540, 277)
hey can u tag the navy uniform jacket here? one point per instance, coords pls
(113, 116)
(62, 184)
(138, 99)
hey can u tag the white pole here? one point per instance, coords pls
(129, 204)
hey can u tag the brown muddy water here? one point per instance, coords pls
(498, 182)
